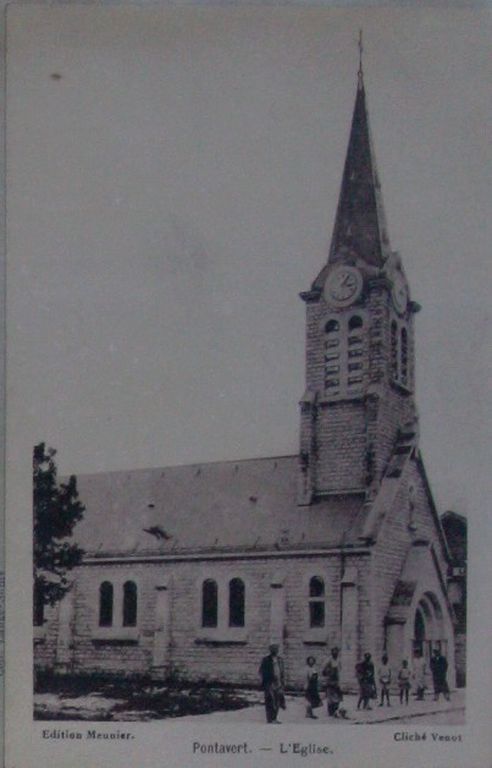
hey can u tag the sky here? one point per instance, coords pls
(172, 184)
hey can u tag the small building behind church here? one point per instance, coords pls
(193, 571)
(456, 531)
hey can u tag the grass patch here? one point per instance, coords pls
(103, 698)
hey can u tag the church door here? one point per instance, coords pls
(419, 633)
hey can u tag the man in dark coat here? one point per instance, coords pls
(272, 681)
(365, 675)
(439, 669)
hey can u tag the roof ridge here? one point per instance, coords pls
(180, 466)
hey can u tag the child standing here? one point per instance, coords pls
(404, 676)
(384, 675)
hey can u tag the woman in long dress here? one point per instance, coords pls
(312, 689)
(334, 694)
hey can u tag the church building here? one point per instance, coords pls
(192, 571)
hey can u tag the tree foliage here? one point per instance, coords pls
(56, 510)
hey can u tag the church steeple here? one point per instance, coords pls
(359, 339)
(360, 223)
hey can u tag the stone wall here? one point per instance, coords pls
(341, 446)
(402, 526)
(277, 609)
(348, 439)
(45, 640)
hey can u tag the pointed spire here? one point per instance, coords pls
(360, 74)
(360, 224)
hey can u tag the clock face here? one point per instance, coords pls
(400, 294)
(343, 286)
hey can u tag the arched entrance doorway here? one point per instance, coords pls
(420, 616)
(428, 627)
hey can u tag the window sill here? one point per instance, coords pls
(116, 636)
(227, 636)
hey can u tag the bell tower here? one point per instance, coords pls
(359, 396)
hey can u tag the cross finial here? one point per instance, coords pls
(361, 49)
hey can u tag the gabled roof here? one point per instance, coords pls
(217, 507)
(405, 450)
(390, 485)
(414, 568)
(230, 506)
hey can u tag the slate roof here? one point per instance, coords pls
(223, 506)
(360, 223)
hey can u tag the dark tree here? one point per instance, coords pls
(56, 510)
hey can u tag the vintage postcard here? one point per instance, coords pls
(247, 313)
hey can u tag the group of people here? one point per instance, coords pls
(366, 676)
(407, 677)
(273, 679)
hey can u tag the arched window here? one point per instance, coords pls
(38, 605)
(332, 326)
(394, 350)
(355, 322)
(209, 603)
(404, 356)
(316, 602)
(129, 604)
(106, 604)
(236, 603)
